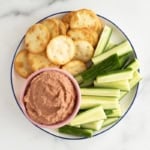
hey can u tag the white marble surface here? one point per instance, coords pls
(16, 133)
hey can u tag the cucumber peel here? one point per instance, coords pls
(134, 65)
(76, 131)
(109, 64)
(113, 113)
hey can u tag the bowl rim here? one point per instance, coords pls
(76, 138)
(77, 91)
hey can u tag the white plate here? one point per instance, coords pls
(126, 103)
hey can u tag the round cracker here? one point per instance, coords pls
(84, 50)
(74, 67)
(83, 34)
(52, 27)
(61, 26)
(36, 38)
(60, 50)
(67, 17)
(21, 64)
(39, 61)
(84, 18)
(95, 36)
(100, 26)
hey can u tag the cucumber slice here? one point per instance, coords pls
(90, 115)
(76, 131)
(96, 125)
(120, 50)
(113, 113)
(122, 84)
(134, 65)
(100, 92)
(109, 121)
(104, 38)
(105, 102)
(115, 76)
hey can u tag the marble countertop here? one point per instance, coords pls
(16, 132)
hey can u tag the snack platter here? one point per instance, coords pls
(126, 102)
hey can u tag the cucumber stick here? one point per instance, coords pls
(136, 78)
(88, 83)
(109, 121)
(100, 92)
(76, 131)
(115, 76)
(109, 46)
(104, 38)
(134, 65)
(109, 64)
(121, 84)
(105, 102)
(132, 83)
(120, 50)
(122, 94)
(96, 125)
(126, 59)
(90, 115)
(79, 79)
(113, 113)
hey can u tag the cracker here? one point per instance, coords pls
(74, 67)
(84, 18)
(83, 34)
(95, 36)
(39, 61)
(84, 50)
(21, 64)
(52, 27)
(36, 38)
(60, 50)
(67, 17)
(62, 27)
(100, 26)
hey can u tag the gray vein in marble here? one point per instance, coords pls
(18, 12)
(52, 2)
(15, 13)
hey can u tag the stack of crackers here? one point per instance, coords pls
(67, 42)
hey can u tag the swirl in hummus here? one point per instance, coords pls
(50, 98)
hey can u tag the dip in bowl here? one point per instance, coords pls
(50, 98)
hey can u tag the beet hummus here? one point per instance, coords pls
(50, 98)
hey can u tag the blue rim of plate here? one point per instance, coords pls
(80, 138)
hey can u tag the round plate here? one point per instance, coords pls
(17, 82)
